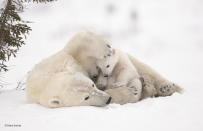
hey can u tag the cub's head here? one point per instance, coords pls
(73, 90)
(107, 63)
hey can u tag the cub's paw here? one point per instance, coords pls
(136, 91)
(168, 89)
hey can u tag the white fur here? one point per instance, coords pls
(154, 84)
(63, 78)
(87, 49)
(125, 68)
(122, 95)
(122, 75)
(60, 81)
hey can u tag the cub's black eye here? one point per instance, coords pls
(86, 98)
(92, 85)
(109, 55)
(107, 66)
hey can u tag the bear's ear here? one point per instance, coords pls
(54, 102)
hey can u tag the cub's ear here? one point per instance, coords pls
(54, 102)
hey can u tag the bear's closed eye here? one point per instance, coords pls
(55, 102)
(86, 98)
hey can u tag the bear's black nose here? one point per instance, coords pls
(95, 76)
(106, 75)
(109, 100)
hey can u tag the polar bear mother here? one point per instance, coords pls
(63, 79)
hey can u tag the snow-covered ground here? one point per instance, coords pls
(167, 35)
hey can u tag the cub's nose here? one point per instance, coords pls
(109, 100)
(106, 75)
(94, 77)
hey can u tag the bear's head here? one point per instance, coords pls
(108, 63)
(76, 89)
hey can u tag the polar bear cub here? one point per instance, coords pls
(153, 84)
(118, 71)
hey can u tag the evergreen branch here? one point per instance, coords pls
(13, 30)
(39, 1)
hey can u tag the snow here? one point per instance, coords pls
(179, 112)
(167, 35)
